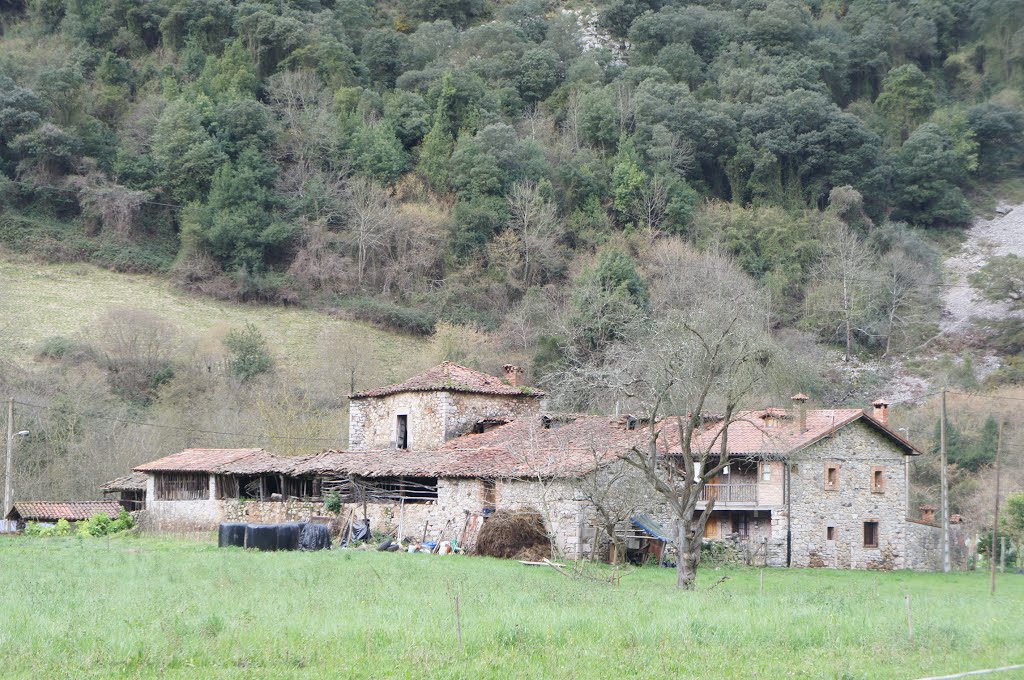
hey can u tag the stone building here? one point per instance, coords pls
(431, 456)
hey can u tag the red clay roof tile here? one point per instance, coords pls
(49, 511)
(451, 377)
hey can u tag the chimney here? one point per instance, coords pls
(881, 411)
(513, 374)
(928, 513)
(800, 400)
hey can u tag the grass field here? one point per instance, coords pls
(138, 607)
(38, 301)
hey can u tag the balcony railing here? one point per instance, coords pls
(725, 494)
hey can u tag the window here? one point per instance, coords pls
(830, 533)
(831, 477)
(402, 436)
(489, 492)
(794, 468)
(878, 480)
(871, 534)
(766, 472)
(740, 525)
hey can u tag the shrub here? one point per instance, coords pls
(387, 314)
(250, 355)
(63, 527)
(332, 503)
(54, 347)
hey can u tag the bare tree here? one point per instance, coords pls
(372, 217)
(839, 301)
(534, 221)
(651, 204)
(902, 298)
(711, 352)
(616, 492)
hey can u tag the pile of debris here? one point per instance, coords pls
(514, 534)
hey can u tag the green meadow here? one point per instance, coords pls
(139, 607)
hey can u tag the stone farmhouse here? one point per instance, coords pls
(432, 456)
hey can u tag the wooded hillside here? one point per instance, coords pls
(531, 178)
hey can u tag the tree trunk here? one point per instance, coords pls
(688, 558)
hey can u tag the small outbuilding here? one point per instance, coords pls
(132, 490)
(52, 511)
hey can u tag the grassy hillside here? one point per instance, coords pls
(170, 609)
(38, 301)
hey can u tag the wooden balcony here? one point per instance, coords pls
(735, 495)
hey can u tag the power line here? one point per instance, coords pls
(183, 429)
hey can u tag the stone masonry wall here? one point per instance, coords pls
(856, 449)
(465, 410)
(433, 417)
(373, 422)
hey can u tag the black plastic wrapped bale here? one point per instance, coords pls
(261, 536)
(231, 534)
(288, 536)
(314, 537)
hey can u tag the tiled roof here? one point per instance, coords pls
(451, 377)
(202, 460)
(520, 449)
(136, 481)
(47, 511)
(777, 432)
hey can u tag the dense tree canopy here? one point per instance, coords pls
(241, 128)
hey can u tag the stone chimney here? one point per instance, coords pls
(928, 513)
(513, 374)
(800, 402)
(881, 412)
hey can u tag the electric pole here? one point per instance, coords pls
(995, 522)
(946, 566)
(10, 459)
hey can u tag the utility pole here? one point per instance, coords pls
(946, 566)
(10, 460)
(995, 522)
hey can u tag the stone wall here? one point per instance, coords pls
(373, 422)
(924, 546)
(856, 450)
(465, 410)
(433, 417)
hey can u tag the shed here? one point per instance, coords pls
(51, 511)
(131, 487)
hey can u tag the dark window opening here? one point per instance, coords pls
(877, 480)
(489, 493)
(870, 534)
(488, 424)
(545, 422)
(832, 477)
(402, 439)
(740, 525)
(830, 533)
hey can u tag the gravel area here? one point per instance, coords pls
(1003, 235)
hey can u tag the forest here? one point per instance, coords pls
(501, 179)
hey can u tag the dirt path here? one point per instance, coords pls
(1003, 235)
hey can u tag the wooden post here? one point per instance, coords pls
(762, 581)
(946, 566)
(995, 520)
(910, 619)
(9, 468)
(1002, 554)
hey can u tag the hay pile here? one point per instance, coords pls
(517, 534)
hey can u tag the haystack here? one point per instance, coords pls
(518, 534)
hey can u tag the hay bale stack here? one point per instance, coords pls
(516, 534)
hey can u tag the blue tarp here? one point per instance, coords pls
(646, 523)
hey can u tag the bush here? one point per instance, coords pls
(54, 347)
(250, 355)
(395, 317)
(332, 503)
